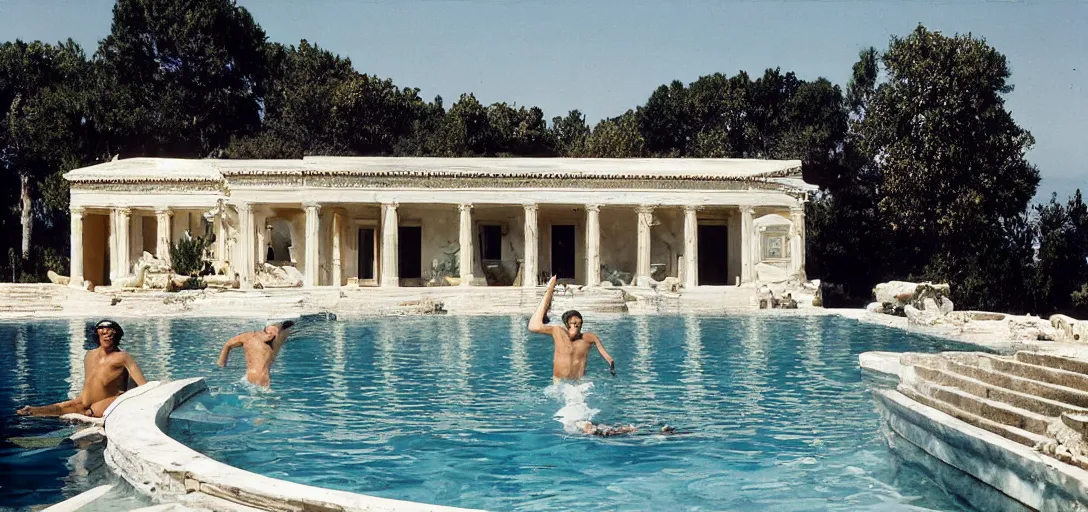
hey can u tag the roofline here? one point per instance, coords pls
(312, 166)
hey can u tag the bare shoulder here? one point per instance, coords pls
(120, 357)
(590, 337)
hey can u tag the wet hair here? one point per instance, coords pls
(106, 323)
(286, 324)
(571, 314)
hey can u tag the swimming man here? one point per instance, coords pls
(106, 372)
(571, 344)
(261, 348)
(601, 430)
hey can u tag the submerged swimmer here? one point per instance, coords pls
(604, 431)
(106, 372)
(261, 349)
(571, 344)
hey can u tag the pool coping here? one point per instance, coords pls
(166, 470)
(1031, 478)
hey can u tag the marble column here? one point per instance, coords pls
(124, 215)
(691, 247)
(645, 220)
(531, 248)
(163, 237)
(244, 260)
(466, 251)
(390, 273)
(75, 254)
(337, 265)
(593, 244)
(747, 245)
(797, 241)
(313, 245)
(111, 245)
(260, 221)
(220, 229)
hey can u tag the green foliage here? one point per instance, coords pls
(616, 138)
(1062, 267)
(1080, 300)
(180, 78)
(317, 104)
(951, 156)
(44, 128)
(569, 134)
(187, 255)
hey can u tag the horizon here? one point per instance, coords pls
(603, 61)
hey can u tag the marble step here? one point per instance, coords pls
(1077, 422)
(1014, 434)
(1027, 371)
(992, 410)
(982, 389)
(1054, 362)
(1055, 392)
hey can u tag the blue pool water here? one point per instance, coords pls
(462, 411)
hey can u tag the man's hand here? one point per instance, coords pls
(24, 411)
(612, 368)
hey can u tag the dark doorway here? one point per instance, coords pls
(713, 255)
(490, 242)
(410, 252)
(366, 253)
(563, 251)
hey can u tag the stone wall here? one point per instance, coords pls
(619, 239)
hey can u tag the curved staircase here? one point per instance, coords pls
(1037, 400)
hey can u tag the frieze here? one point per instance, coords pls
(149, 187)
(362, 182)
(507, 183)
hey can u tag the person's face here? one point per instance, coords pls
(574, 326)
(107, 337)
(274, 330)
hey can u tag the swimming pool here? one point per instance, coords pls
(462, 411)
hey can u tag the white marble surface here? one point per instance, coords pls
(1031, 478)
(80, 500)
(203, 169)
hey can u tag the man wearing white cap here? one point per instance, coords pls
(107, 370)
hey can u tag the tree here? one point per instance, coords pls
(43, 123)
(569, 134)
(616, 138)
(180, 78)
(665, 121)
(950, 155)
(1062, 268)
(467, 130)
(317, 104)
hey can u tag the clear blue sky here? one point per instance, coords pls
(604, 57)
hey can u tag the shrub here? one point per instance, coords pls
(187, 255)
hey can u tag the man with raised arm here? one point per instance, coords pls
(261, 348)
(106, 372)
(571, 344)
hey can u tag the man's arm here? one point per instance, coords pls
(592, 338)
(134, 371)
(278, 341)
(230, 344)
(536, 323)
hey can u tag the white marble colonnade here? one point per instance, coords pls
(249, 252)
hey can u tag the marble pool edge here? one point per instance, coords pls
(168, 471)
(1029, 478)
